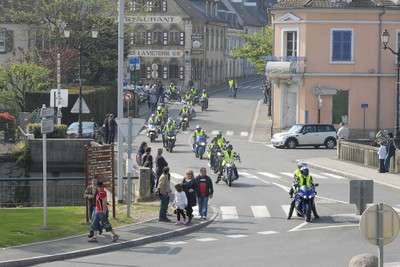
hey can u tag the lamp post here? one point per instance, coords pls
(81, 48)
(385, 40)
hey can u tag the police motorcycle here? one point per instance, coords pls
(204, 102)
(173, 95)
(215, 153)
(304, 200)
(229, 171)
(170, 138)
(200, 146)
(152, 131)
(184, 122)
(192, 112)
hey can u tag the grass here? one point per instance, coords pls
(25, 225)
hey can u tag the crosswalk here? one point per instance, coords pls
(213, 133)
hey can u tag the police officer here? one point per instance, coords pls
(154, 120)
(198, 132)
(168, 129)
(229, 156)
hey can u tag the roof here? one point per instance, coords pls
(335, 4)
(189, 9)
(251, 15)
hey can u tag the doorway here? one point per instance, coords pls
(340, 107)
(288, 104)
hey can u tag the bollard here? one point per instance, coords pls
(144, 183)
(361, 193)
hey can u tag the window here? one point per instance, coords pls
(174, 37)
(290, 43)
(342, 45)
(2, 40)
(173, 71)
(157, 37)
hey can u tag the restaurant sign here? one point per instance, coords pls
(155, 53)
(152, 19)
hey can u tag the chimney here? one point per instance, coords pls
(206, 9)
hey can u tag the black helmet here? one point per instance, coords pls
(229, 147)
(304, 171)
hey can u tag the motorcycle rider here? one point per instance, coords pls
(220, 139)
(184, 112)
(213, 149)
(197, 133)
(193, 91)
(170, 119)
(292, 190)
(204, 96)
(172, 88)
(229, 156)
(154, 120)
(168, 129)
(187, 96)
(303, 179)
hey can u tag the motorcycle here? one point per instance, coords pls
(304, 201)
(230, 171)
(170, 140)
(152, 132)
(200, 146)
(184, 122)
(204, 103)
(192, 113)
(173, 95)
(195, 99)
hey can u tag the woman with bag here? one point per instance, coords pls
(165, 192)
(188, 186)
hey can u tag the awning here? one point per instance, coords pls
(278, 69)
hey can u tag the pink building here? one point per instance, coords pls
(329, 64)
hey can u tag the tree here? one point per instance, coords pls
(18, 78)
(257, 45)
(47, 18)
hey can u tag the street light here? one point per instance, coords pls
(81, 48)
(385, 40)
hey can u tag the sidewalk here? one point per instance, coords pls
(154, 231)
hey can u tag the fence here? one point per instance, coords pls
(28, 192)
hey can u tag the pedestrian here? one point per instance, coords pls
(160, 162)
(380, 138)
(153, 177)
(139, 154)
(147, 153)
(105, 128)
(343, 132)
(112, 125)
(235, 88)
(160, 91)
(391, 149)
(204, 191)
(164, 193)
(180, 203)
(382, 152)
(230, 87)
(152, 102)
(90, 196)
(102, 214)
(189, 187)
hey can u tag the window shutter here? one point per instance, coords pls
(181, 73)
(9, 41)
(149, 6)
(165, 38)
(165, 72)
(181, 38)
(164, 6)
(148, 72)
(149, 38)
(133, 6)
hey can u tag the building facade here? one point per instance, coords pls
(329, 66)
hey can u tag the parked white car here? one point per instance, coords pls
(306, 135)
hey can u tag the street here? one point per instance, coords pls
(251, 228)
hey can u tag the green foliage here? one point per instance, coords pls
(23, 156)
(19, 78)
(60, 131)
(256, 46)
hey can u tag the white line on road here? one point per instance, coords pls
(286, 209)
(247, 175)
(260, 212)
(209, 239)
(334, 176)
(229, 213)
(287, 174)
(214, 132)
(229, 133)
(321, 228)
(319, 176)
(269, 175)
(236, 236)
(175, 243)
(298, 227)
(268, 232)
(244, 133)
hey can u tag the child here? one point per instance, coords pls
(382, 155)
(180, 203)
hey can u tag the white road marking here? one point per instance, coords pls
(247, 175)
(298, 227)
(287, 174)
(319, 176)
(285, 188)
(236, 236)
(270, 175)
(334, 176)
(229, 213)
(330, 200)
(229, 133)
(176, 175)
(260, 212)
(323, 227)
(175, 243)
(286, 209)
(214, 132)
(244, 133)
(268, 232)
(209, 239)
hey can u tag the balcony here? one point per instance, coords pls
(285, 68)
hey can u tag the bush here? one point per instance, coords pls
(60, 131)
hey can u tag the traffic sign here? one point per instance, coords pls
(373, 230)
(75, 108)
(63, 98)
(154, 66)
(128, 96)
(154, 74)
(134, 63)
(46, 112)
(324, 91)
(123, 123)
(47, 125)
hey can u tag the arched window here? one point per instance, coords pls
(173, 35)
(157, 35)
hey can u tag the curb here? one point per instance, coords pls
(109, 247)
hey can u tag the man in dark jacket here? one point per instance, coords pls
(204, 190)
(160, 162)
(391, 149)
